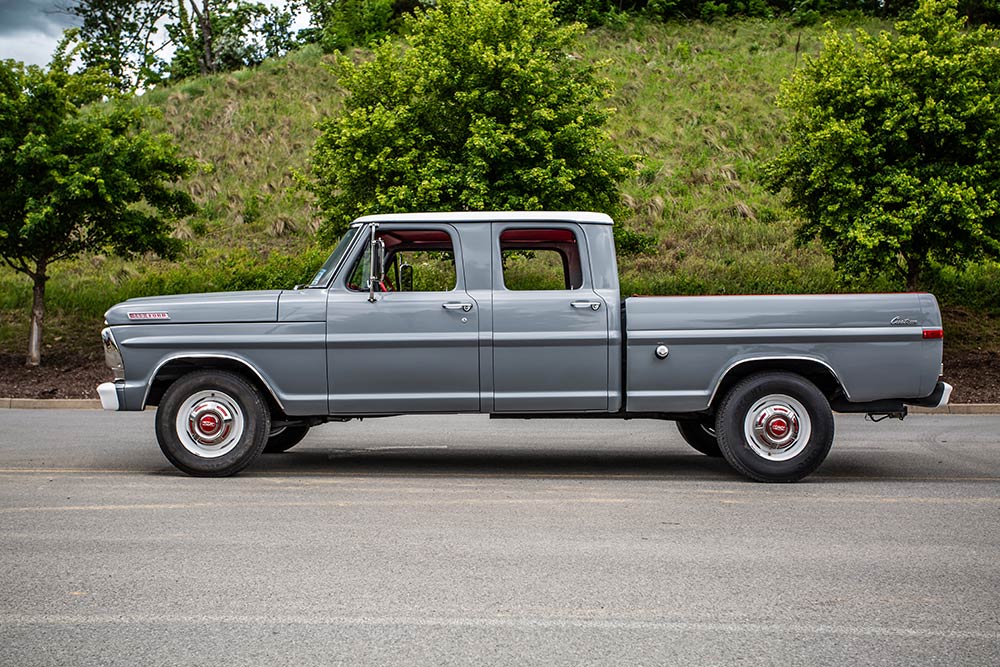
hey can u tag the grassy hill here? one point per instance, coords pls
(695, 101)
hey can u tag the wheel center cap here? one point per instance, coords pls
(778, 427)
(209, 424)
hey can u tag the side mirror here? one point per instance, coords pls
(406, 278)
(376, 260)
(380, 268)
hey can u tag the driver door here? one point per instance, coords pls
(408, 351)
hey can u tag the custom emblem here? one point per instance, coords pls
(209, 423)
(778, 426)
(149, 316)
(903, 322)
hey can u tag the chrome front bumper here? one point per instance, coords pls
(109, 395)
(108, 391)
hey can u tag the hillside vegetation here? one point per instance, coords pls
(695, 102)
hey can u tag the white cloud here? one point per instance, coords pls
(31, 29)
(33, 47)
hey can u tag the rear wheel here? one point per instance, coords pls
(700, 434)
(212, 423)
(775, 427)
(285, 438)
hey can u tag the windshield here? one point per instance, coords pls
(322, 276)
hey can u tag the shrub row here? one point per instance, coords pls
(600, 12)
(339, 24)
(976, 288)
(88, 294)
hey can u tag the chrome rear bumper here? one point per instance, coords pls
(938, 398)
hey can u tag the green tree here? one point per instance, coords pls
(121, 36)
(221, 36)
(77, 175)
(338, 24)
(484, 108)
(893, 156)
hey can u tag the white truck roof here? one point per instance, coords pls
(587, 217)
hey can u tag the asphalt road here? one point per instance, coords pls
(457, 540)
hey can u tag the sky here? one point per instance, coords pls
(30, 29)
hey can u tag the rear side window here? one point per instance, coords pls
(545, 258)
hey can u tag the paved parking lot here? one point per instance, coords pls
(457, 540)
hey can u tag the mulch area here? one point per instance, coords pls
(61, 375)
(974, 374)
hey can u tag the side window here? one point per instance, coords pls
(416, 260)
(540, 259)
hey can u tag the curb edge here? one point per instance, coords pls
(50, 403)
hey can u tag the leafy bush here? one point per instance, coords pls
(485, 109)
(892, 157)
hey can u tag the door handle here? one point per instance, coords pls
(593, 305)
(453, 305)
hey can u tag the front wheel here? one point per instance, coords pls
(212, 423)
(775, 427)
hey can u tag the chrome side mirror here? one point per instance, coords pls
(380, 269)
(376, 262)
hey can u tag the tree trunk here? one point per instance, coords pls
(37, 315)
(914, 268)
(202, 16)
(205, 21)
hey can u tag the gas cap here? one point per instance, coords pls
(662, 351)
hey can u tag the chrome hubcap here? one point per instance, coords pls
(210, 424)
(777, 427)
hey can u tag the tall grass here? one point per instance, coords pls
(251, 130)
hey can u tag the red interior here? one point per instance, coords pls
(437, 239)
(428, 238)
(537, 236)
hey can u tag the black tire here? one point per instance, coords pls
(761, 413)
(700, 434)
(207, 398)
(286, 438)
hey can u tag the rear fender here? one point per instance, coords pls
(816, 371)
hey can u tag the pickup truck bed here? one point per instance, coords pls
(849, 337)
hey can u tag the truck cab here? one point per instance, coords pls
(478, 313)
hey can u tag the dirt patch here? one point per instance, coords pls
(975, 374)
(61, 375)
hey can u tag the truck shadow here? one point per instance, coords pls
(681, 464)
(492, 463)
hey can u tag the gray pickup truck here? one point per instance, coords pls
(517, 315)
